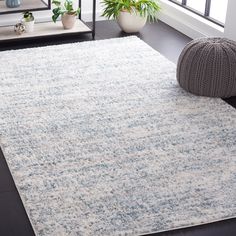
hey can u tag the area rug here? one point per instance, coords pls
(101, 140)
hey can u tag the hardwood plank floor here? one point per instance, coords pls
(166, 40)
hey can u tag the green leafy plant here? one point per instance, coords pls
(28, 16)
(149, 8)
(61, 9)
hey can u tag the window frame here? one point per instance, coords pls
(206, 14)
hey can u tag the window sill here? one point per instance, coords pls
(187, 22)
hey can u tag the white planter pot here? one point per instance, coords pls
(131, 22)
(68, 21)
(29, 26)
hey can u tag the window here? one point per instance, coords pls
(213, 10)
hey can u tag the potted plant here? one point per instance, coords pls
(67, 12)
(131, 15)
(28, 21)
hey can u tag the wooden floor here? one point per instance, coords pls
(166, 40)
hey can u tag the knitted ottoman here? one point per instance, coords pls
(207, 67)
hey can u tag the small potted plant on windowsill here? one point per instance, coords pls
(66, 11)
(28, 21)
(131, 15)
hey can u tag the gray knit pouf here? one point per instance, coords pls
(207, 67)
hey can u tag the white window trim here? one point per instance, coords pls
(187, 22)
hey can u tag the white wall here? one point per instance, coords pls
(230, 24)
(87, 8)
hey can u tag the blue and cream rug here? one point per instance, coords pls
(101, 140)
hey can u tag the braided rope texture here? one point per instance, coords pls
(207, 67)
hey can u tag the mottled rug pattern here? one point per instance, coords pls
(101, 140)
